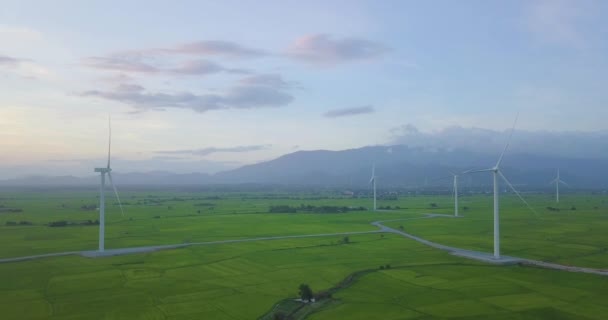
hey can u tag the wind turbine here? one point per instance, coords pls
(496, 173)
(372, 180)
(102, 200)
(557, 181)
(454, 187)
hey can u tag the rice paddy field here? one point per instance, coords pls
(247, 280)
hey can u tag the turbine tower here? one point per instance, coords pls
(557, 181)
(373, 182)
(496, 173)
(455, 187)
(102, 201)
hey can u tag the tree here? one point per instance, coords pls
(346, 240)
(305, 292)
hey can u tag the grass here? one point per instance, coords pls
(174, 220)
(469, 292)
(571, 237)
(245, 280)
(235, 281)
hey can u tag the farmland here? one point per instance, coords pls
(245, 280)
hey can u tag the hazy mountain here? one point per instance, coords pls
(409, 167)
(396, 166)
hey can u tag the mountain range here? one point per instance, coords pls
(396, 166)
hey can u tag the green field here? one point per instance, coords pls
(245, 280)
(465, 291)
(572, 237)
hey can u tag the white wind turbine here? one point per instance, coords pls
(372, 180)
(455, 188)
(495, 174)
(557, 181)
(102, 200)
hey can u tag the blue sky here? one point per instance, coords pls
(209, 85)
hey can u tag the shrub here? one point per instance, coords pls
(305, 292)
(61, 223)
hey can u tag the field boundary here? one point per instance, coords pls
(293, 313)
(484, 256)
(469, 254)
(148, 249)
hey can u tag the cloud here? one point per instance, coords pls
(349, 112)
(129, 63)
(116, 78)
(120, 63)
(556, 21)
(237, 97)
(198, 67)
(215, 48)
(25, 68)
(271, 80)
(325, 50)
(573, 144)
(211, 150)
(7, 61)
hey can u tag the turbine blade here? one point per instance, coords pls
(508, 142)
(116, 193)
(373, 173)
(453, 191)
(109, 138)
(564, 183)
(482, 170)
(517, 193)
(467, 171)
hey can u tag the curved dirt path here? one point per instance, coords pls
(484, 256)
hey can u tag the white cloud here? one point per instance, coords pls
(325, 50)
(573, 144)
(346, 112)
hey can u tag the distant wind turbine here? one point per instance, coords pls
(372, 180)
(496, 173)
(102, 200)
(454, 187)
(557, 181)
(455, 190)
